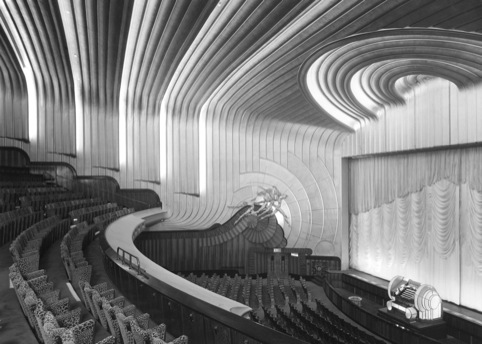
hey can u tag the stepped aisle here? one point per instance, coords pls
(52, 263)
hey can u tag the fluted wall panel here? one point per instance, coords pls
(13, 94)
(37, 28)
(206, 101)
(160, 35)
(96, 33)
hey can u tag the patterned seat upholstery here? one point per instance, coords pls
(82, 285)
(37, 309)
(107, 340)
(29, 263)
(80, 334)
(69, 319)
(97, 301)
(51, 331)
(180, 340)
(89, 293)
(110, 315)
(50, 297)
(82, 273)
(40, 285)
(142, 336)
(87, 298)
(34, 274)
(143, 320)
(60, 307)
(125, 328)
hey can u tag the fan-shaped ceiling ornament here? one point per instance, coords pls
(353, 78)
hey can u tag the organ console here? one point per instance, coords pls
(413, 299)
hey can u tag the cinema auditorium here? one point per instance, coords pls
(240, 171)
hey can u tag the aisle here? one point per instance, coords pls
(52, 263)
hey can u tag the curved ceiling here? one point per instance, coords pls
(352, 78)
(95, 61)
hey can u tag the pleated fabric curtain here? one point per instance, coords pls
(420, 216)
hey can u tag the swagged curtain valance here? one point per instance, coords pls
(378, 180)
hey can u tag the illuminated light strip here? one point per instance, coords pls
(203, 160)
(72, 291)
(16, 42)
(67, 16)
(10, 284)
(32, 105)
(163, 141)
(79, 118)
(122, 135)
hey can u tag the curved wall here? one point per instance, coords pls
(203, 101)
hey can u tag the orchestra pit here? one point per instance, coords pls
(240, 171)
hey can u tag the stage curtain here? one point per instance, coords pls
(379, 180)
(419, 215)
(414, 236)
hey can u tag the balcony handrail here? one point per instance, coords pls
(130, 256)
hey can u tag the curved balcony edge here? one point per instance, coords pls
(186, 307)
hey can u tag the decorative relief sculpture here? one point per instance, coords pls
(267, 203)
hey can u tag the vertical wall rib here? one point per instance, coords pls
(13, 94)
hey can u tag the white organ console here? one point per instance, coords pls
(415, 300)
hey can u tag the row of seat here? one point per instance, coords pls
(235, 288)
(16, 214)
(71, 252)
(102, 221)
(27, 247)
(38, 202)
(285, 305)
(81, 235)
(322, 319)
(17, 173)
(63, 208)
(125, 323)
(99, 300)
(256, 292)
(20, 183)
(12, 195)
(88, 214)
(13, 185)
(51, 317)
